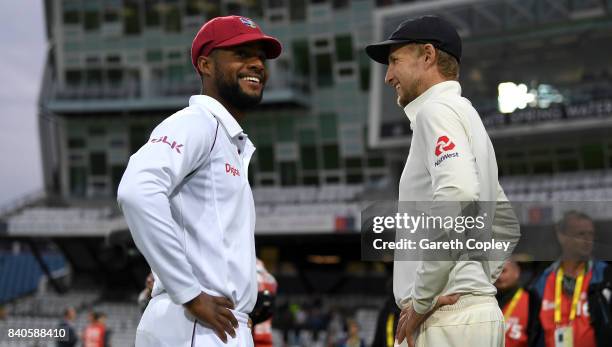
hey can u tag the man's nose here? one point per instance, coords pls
(256, 63)
(388, 76)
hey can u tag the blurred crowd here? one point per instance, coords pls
(574, 292)
(310, 323)
(95, 334)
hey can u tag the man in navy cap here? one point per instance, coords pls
(444, 303)
(187, 200)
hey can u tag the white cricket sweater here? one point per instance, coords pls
(187, 201)
(451, 159)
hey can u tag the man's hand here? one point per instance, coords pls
(410, 320)
(215, 312)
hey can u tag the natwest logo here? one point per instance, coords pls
(443, 144)
(231, 170)
(173, 145)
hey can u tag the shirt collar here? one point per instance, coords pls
(557, 264)
(219, 111)
(413, 108)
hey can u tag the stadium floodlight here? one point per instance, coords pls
(546, 95)
(512, 96)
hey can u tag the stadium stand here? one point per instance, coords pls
(45, 311)
(572, 186)
(314, 194)
(48, 221)
(314, 168)
(321, 322)
(20, 273)
(308, 209)
(122, 320)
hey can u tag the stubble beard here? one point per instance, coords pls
(409, 95)
(231, 92)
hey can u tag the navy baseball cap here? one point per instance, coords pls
(427, 29)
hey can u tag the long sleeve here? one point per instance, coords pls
(506, 227)
(177, 147)
(452, 166)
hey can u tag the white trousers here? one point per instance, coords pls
(166, 324)
(474, 321)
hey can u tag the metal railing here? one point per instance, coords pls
(21, 202)
(281, 80)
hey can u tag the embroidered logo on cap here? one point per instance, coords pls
(443, 144)
(248, 22)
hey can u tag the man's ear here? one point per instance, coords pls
(429, 51)
(205, 65)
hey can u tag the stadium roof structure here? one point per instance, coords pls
(536, 39)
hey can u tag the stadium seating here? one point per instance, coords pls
(334, 310)
(50, 304)
(48, 221)
(574, 186)
(309, 194)
(45, 311)
(20, 273)
(308, 209)
(122, 320)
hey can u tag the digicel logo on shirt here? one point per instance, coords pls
(231, 170)
(444, 144)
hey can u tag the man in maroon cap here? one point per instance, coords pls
(187, 200)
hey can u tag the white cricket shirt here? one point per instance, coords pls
(187, 201)
(451, 159)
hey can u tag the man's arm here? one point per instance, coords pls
(505, 227)
(176, 148)
(454, 177)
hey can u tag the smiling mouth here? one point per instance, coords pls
(251, 79)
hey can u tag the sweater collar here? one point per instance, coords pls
(216, 108)
(413, 108)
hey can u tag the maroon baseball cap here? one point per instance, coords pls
(231, 31)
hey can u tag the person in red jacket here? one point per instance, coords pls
(576, 310)
(518, 306)
(94, 334)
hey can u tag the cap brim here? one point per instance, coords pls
(272, 47)
(379, 52)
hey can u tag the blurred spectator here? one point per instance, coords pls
(264, 307)
(67, 324)
(3, 313)
(317, 320)
(519, 306)
(145, 296)
(95, 334)
(283, 320)
(386, 323)
(335, 328)
(575, 290)
(353, 339)
(107, 331)
(300, 315)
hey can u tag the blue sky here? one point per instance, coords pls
(21, 63)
